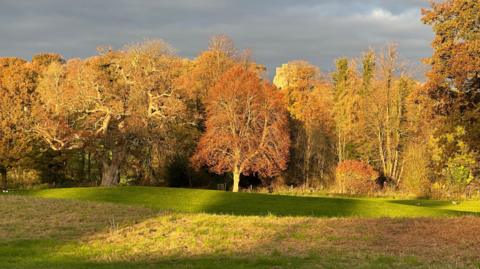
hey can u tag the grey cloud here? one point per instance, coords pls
(276, 30)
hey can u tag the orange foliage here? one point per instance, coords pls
(17, 83)
(117, 99)
(356, 177)
(246, 127)
(454, 78)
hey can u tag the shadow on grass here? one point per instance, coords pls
(49, 253)
(41, 255)
(469, 207)
(248, 204)
(423, 203)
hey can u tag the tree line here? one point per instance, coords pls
(144, 115)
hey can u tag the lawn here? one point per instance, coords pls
(139, 227)
(253, 204)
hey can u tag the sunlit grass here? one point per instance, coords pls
(52, 233)
(219, 202)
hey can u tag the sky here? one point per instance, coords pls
(277, 31)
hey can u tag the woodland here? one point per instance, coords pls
(143, 115)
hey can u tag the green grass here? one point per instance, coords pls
(248, 204)
(50, 255)
(145, 227)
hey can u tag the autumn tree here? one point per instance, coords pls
(371, 110)
(204, 71)
(246, 127)
(364, 146)
(17, 86)
(309, 102)
(199, 76)
(454, 79)
(387, 119)
(319, 125)
(420, 126)
(207, 67)
(379, 110)
(453, 161)
(114, 100)
(347, 87)
(42, 61)
(353, 87)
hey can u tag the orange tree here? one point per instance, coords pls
(312, 128)
(17, 86)
(115, 102)
(454, 79)
(246, 127)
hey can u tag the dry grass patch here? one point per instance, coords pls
(451, 240)
(36, 218)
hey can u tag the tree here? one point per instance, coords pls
(205, 70)
(320, 129)
(385, 113)
(114, 101)
(353, 92)
(453, 160)
(17, 86)
(347, 88)
(309, 101)
(246, 127)
(370, 111)
(41, 61)
(454, 78)
(418, 173)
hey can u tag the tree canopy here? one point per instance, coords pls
(246, 127)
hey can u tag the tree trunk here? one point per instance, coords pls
(339, 148)
(82, 167)
(148, 177)
(89, 163)
(308, 154)
(236, 179)
(3, 175)
(111, 168)
(380, 150)
(110, 174)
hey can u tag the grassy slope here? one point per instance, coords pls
(207, 201)
(51, 233)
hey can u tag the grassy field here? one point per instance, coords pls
(137, 227)
(252, 204)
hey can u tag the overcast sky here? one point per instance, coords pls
(276, 30)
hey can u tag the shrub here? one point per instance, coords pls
(356, 177)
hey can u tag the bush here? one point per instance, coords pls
(356, 177)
